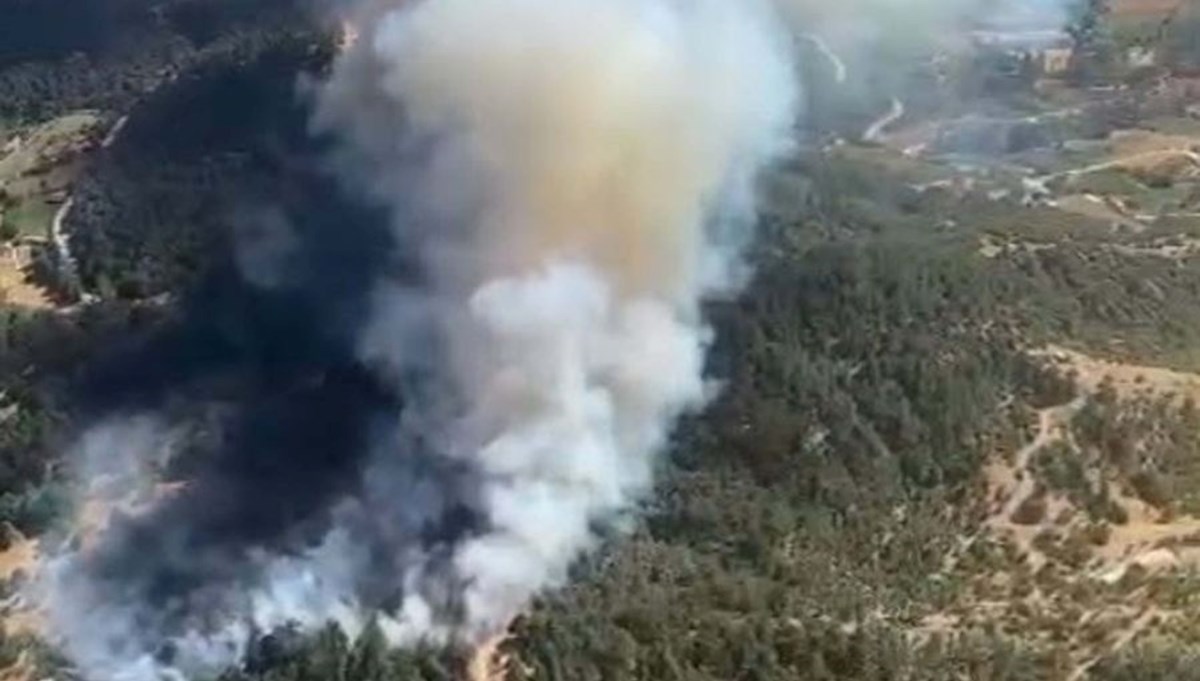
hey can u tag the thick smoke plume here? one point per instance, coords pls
(561, 183)
(587, 160)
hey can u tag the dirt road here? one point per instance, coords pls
(1049, 421)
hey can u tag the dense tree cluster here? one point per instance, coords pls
(154, 208)
(1094, 53)
(1150, 663)
(1151, 443)
(330, 656)
(151, 210)
(41, 355)
(57, 55)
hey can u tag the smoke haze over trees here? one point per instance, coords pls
(568, 321)
(289, 333)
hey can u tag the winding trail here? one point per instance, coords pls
(840, 72)
(114, 132)
(1050, 421)
(68, 267)
(1131, 632)
(1126, 160)
(874, 132)
(1018, 483)
(1039, 184)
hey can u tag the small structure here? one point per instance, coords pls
(1141, 57)
(1056, 60)
(1050, 50)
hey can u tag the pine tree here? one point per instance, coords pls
(1094, 47)
(369, 656)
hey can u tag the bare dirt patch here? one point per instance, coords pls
(20, 558)
(21, 554)
(21, 670)
(38, 167)
(1128, 380)
(1134, 142)
(16, 285)
(488, 662)
(1141, 8)
(1104, 208)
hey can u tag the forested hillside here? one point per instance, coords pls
(831, 514)
(808, 519)
(58, 56)
(151, 210)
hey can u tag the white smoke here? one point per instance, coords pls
(590, 157)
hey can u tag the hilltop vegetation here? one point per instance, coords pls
(148, 211)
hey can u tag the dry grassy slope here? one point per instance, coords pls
(1144, 8)
(37, 169)
(43, 159)
(21, 557)
(1039, 568)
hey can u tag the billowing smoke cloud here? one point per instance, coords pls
(595, 154)
(562, 183)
